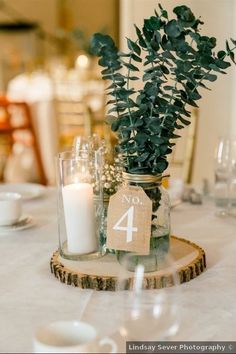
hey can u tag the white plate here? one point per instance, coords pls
(28, 191)
(23, 223)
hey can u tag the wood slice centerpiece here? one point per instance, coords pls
(102, 274)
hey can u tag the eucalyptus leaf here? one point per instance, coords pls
(233, 41)
(140, 37)
(143, 157)
(155, 23)
(183, 120)
(227, 46)
(221, 54)
(211, 77)
(173, 29)
(231, 54)
(133, 46)
(131, 67)
(136, 58)
(222, 64)
(133, 78)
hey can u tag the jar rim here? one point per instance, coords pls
(80, 155)
(131, 177)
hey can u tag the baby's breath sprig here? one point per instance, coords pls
(112, 177)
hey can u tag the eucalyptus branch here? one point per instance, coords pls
(116, 98)
(127, 83)
(173, 72)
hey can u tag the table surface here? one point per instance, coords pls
(30, 296)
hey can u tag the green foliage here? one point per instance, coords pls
(176, 62)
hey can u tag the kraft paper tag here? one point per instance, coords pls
(129, 220)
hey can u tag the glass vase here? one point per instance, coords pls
(160, 223)
(80, 205)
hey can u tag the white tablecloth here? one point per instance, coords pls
(30, 296)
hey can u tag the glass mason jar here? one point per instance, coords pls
(80, 205)
(103, 228)
(160, 228)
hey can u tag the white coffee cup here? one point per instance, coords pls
(69, 337)
(10, 208)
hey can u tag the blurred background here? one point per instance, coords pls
(51, 87)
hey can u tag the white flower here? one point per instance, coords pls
(112, 176)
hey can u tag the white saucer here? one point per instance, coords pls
(25, 222)
(27, 191)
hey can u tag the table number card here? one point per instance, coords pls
(129, 220)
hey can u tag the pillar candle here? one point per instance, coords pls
(79, 218)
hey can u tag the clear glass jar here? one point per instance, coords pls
(103, 227)
(160, 229)
(80, 205)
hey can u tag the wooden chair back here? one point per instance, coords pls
(16, 117)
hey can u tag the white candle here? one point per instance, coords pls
(79, 218)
